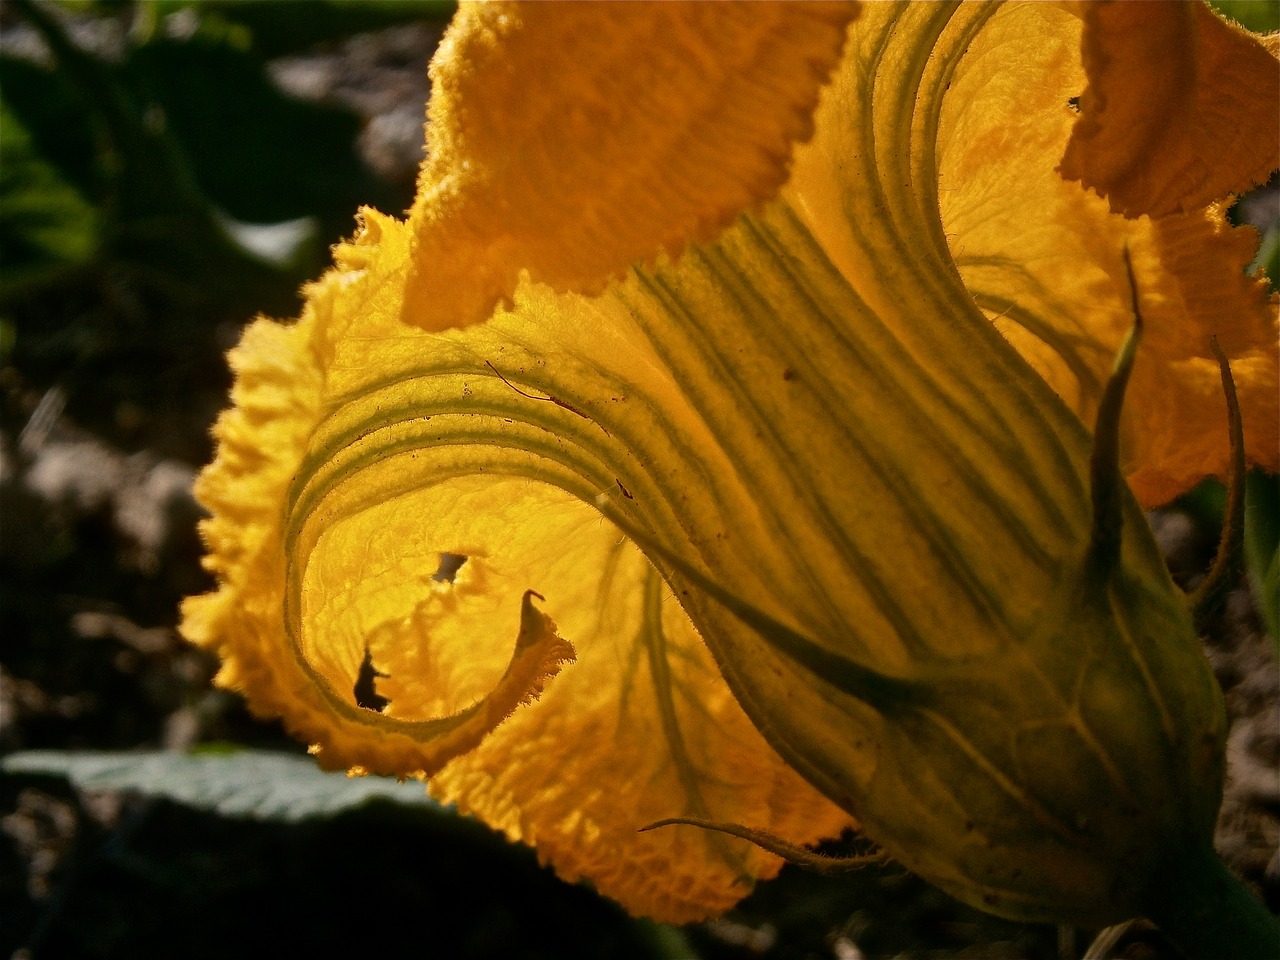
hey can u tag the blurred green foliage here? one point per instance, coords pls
(48, 225)
(154, 194)
(1262, 547)
(1260, 16)
(141, 167)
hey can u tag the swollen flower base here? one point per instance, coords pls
(807, 300)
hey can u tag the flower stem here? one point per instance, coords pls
(1210, 913)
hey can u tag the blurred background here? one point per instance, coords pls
(168, 169)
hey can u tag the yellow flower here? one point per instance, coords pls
(749, 281)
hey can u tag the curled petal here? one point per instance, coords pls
(384, 448)
(1166, 79)
(673, 118)
(277, 393)
(793, 409)
(1043, 258)
(1177, 431)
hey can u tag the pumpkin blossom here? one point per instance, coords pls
(745, 358)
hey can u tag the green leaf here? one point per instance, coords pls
(59, 121)
(48, 227)
(254, 152)
(1205, 503)
(256, 784)
(1268, 258)
(159, 227)
(1260, 16)
(1262, 545)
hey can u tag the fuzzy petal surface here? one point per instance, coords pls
(383, 447)
(809, 406)
(1044, 258)
(1179, 111)
(673, 119)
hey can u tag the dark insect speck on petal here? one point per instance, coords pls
(366, 696)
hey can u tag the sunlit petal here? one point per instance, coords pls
(394, 446)
(1180, 108)
(1044, 259)
(810, 409)
(671, 118)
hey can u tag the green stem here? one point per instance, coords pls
(1210, 914)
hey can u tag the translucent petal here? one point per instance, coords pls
(1037, 658)
(810, 410)
(1043, 258)
(672, 119)
(1180, 108)
(386, 447)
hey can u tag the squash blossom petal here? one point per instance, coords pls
(829, 349)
